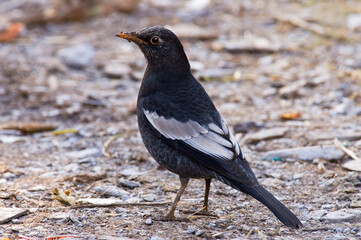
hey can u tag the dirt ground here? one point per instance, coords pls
(267, 65)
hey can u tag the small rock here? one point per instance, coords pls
(130, 171)
(266, 134)
(77, 56)
(129, 184)
(191, 31)
(114, 191)
(355, 204)
(148, 198)
(343, 215)
(354, 21)
(273, 182)
(305, 153)
(216, 74)
(246, 127)
(7, 214)
(292, 90)
(254, 45)
(90, 152)
(117, 70)
(149, 221)
(9, 176)
(10, 139)
(60, 216)
(317, 215)
(199, 233)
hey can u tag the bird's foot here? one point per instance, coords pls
(171, 217)
(201, 213)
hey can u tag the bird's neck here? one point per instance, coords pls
(169, 71)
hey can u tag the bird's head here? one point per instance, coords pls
(160, 46)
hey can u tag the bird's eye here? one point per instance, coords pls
(155, 40)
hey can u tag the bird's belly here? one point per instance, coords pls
(169, 158)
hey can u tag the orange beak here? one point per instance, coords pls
(131, 37)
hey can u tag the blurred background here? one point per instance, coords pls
(284, 75)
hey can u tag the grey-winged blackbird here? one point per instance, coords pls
(182, 129)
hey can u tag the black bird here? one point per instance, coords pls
(182, 129)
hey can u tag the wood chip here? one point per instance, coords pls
(27, 127)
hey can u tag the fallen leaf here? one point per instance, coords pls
(353, 165)
(64, 197)
(64, 131)
(290, 115)
(27, 127)
(9, 34)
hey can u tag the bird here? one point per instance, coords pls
(182, 129)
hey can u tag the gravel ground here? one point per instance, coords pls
(283, 74)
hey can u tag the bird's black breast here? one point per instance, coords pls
(182, 98)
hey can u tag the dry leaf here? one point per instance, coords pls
(11, 32)
(64, 197)
(27, 127)
(290, 115)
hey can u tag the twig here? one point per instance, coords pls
(249, 233)
(312, 27)
(346, 150)
(122, 204)
(107, 143)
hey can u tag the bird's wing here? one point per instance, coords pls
(211, 145)
(212, 140)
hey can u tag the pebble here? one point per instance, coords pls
(60, 216)
(77, 56)
(8, 214)
(305, 153)
(89, 152)
(343, 215)
(129, 184)
(353, 21)
(192, 31)
(149, 221)
(9, 176)
(266, 134)
(199, 233)
(117, 70)
(317, 214)
(113, 191)
(148, 198)
(246, 127)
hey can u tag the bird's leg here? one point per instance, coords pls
(170, 215)
(206, 194)
(205, 203)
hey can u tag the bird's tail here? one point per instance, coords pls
(278, 209)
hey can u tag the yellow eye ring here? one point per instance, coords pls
(155, 40)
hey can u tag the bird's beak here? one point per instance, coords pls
(131, 37)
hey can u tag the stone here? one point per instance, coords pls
(192, 31)
(129, 184)
(149, 221)
(305, 153)
(109, 190)
(354, 21)
(8, 214)
(77, 56)
(266, 134)
(60, 216)
(317, 214)
(89, 152)
(199, 233)
(343, 215)
(116, 70)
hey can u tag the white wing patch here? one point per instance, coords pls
(212, 140)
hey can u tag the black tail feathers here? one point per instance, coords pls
(278, 209)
